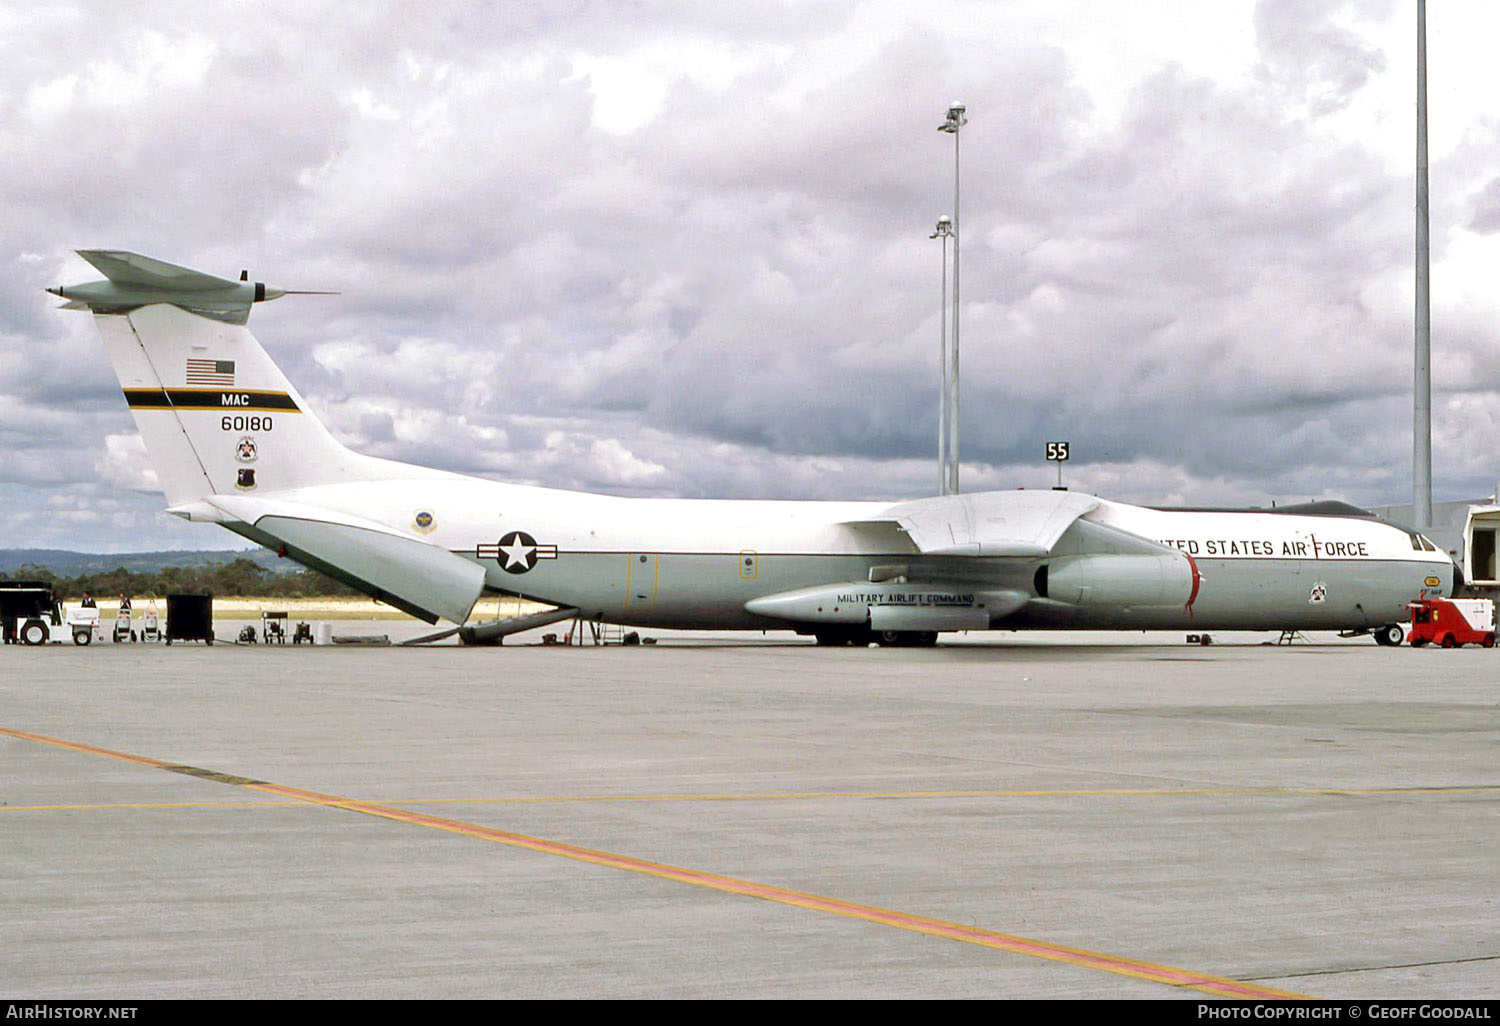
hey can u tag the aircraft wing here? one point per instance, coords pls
(1019, 523)
(409, 573)
(983, 557)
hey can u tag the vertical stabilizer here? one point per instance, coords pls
(214, 409)
(217, 415)
(232, 441)
(183, 478)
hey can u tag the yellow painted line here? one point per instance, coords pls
(1207, 983)
(1153, 972)
(151, 805)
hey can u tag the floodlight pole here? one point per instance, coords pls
(954, 122)
(943, 231)
(1421, 478)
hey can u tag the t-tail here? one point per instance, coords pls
(233, 443)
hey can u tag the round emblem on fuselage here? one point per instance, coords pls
(518, 552)
(423, 521)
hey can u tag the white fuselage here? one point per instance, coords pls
(693, 563)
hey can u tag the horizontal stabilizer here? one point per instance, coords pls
(133, 281)
(413, 575)
(124, 268)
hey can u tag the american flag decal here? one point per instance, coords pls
(214, 373)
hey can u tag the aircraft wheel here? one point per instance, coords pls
(1449, 641)
(891, 639)
(1390, 634)
(82, 637)
(34, 633)
(926, 639)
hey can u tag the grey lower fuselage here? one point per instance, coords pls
(706, 590)
(658, 581)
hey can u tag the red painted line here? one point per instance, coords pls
(1150, 971)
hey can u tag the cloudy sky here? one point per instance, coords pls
(682, 248)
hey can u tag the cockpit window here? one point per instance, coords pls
(1427, 545)
(1416, 543)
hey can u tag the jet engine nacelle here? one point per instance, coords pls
(1132, 581)
(891, 606)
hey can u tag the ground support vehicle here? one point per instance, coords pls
(55, 627)
(273, 628)
(190, 618)
(123, 630)
(21, 601)
(84, 626)
(1453, 623)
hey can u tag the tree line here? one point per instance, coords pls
(240, 577)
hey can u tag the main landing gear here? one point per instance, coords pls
(862, 636)
(1388, 636)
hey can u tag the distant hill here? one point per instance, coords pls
(64, 563)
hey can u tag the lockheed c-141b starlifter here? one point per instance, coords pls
(234, 444)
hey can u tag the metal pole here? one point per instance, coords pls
(944, 231)
(953, 404)
(955, 121)
(1422, 387)
(943, 362)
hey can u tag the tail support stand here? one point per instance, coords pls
(495, 632)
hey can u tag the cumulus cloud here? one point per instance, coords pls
(124, 464)
(682, 249)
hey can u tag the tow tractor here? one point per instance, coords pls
(32, 615)
(1453, 623)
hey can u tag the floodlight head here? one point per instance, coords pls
(956, 118)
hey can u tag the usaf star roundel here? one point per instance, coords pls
(518, 552)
